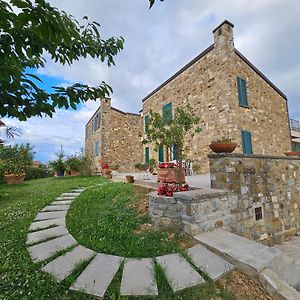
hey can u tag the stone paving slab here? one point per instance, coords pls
(62, 266)
(64, 198)
(62, 202)
(207, 261)
(276, 287)
(46, 223)
(35, 237)
(139, 278)
(97, 276)
(47, 249)
(249, 256)
(56, 208)
(77, 190)
(70, 195)
(50, 215)
(179, 272)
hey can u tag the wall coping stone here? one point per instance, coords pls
(200, 194)
(258, 156)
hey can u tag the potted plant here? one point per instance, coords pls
(130, 178)
(169, 173)
(73, 164)
(107, 173)
(59, 165)
(14, 162)
(14, 171)
(141, 167)
(224, 144)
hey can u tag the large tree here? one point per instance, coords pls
(33, 30)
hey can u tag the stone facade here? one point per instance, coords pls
(115, 139)
(268, 193)
(255, 196)
(209, 85)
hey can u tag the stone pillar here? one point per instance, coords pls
(105, 119)
(223, 37)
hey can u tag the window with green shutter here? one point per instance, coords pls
(242, 91)
(160, 153)
(97, 148)
(99, 120)
(167, 112)
(146, 123)
(247, 142)
(147, 155)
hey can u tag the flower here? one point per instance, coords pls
(169, 189)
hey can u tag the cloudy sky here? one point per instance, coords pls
(158, 42)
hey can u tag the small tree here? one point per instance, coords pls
(167, 130)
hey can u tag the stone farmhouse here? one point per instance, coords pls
(230, 95)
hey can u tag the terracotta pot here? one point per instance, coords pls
(73, 173)
(292, 153)
(108, 175)
(130, 179)
(225, 147)
(169, 175)
(14, 179)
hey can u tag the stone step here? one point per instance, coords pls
(97, 276)
(139, 278)
(277, 287)
(56, 208)
(46, 223)
(37, 236)
(214, 265)
(77, 190)
(249, 256)
(64, 198)
(50, 215)
(62, 202)
(62, 266)
(70, 195)
(180, 274)
(47, 249)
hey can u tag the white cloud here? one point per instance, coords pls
(160, 41)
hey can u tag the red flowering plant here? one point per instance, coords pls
(168, 190)
(167, 165)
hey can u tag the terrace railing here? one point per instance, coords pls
(295, 124)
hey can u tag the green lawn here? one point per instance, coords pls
(105, 219)
(102, 218)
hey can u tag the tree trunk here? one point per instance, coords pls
(179, 174)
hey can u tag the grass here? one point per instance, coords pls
(106, 220)
(110, 208)
(20, 278)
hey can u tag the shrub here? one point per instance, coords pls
(35, 173)
(141, 166)
(73, 163)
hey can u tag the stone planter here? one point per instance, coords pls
(169, 175)
(14, 179)
(130, 179)
(225, 147)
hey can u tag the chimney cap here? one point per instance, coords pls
(224, 22)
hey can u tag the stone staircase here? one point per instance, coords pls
(279, 273)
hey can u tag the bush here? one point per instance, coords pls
(35, 173)
(141, 166)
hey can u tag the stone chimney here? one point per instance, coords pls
(223, 37)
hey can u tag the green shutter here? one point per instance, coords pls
(146, 123)
(167, 113)
(160, 153)
(147, 156)
(247, 142)
(242, 91)
(99, 120)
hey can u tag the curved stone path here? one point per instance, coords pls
(49, 241)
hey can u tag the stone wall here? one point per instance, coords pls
(209, 85)
(193, 211)
(119, 138)
(269, 183)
